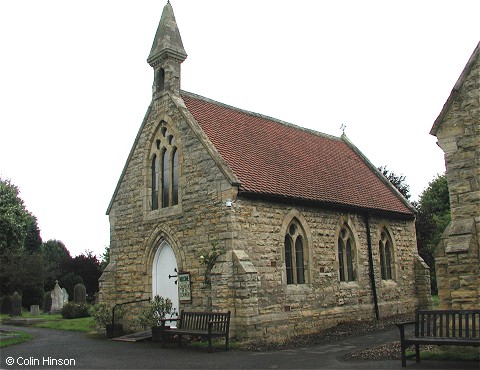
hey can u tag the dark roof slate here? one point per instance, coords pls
(275, 158)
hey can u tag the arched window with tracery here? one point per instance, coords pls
(385, 247)
(164, 170)
(295, 254)
(346, 255)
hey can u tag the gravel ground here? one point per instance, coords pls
(388, 351)
(340, 332)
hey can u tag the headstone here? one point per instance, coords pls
(57, 298)
(47, 302)
(35, 309)
(16, 305)
(65, 296)
(79, 294)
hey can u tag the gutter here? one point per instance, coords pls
(370, 267)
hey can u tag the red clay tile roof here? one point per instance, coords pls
(275, 158)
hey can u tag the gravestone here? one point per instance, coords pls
(16, 305)
(65, 296)
(47, 302)
(35, 309)
(57, 298)
(79, 294)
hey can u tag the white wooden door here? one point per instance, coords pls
(164, 274)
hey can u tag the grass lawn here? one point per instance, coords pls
(56, 321)
(84, 324)
(451, 353)
(8, 338)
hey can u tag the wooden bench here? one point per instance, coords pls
(203, 324)
(440, 327)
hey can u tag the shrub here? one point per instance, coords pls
(102, 315)
(72, 310)
(158, 309)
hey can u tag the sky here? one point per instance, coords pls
(75, 86)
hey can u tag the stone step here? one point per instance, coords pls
(135, 337)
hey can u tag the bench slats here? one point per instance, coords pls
(441, 327)
(204, 324)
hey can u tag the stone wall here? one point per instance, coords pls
(194, 224)
(458, 132)
(278, 310)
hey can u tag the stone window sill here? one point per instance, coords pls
(348, 285)
(389, 284)
(163, 212)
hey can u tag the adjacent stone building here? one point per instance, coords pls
(291, 230)
(457, 129)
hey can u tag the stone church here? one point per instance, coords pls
(221, 209)
(457, 128)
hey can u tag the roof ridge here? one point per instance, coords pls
(377, 172)
(455, 90)
(259, 115)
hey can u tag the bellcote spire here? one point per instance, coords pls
(167, 40)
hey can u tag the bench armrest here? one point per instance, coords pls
(163, 321)
(403, 323)
(401, 327)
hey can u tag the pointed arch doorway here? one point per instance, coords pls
(164, 274)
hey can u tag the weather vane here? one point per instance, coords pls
(343, 127)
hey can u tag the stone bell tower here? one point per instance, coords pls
(166, 55)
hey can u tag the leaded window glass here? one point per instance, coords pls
(346, 255)
(295, 254)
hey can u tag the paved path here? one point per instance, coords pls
(81, 352)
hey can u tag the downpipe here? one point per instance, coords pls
(371, 272)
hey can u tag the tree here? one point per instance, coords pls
(88, 267)
(433, 217)
(105, 258)
(23, 273)
(57, 261)
(14, 218)
(33, 240)
(397, 181)
(69, 281)
(21, 265)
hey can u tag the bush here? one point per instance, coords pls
(102, 315)
(72, 310)
(152, 314)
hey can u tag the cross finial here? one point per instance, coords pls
(343, 127)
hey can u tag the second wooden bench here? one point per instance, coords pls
(440, 327)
